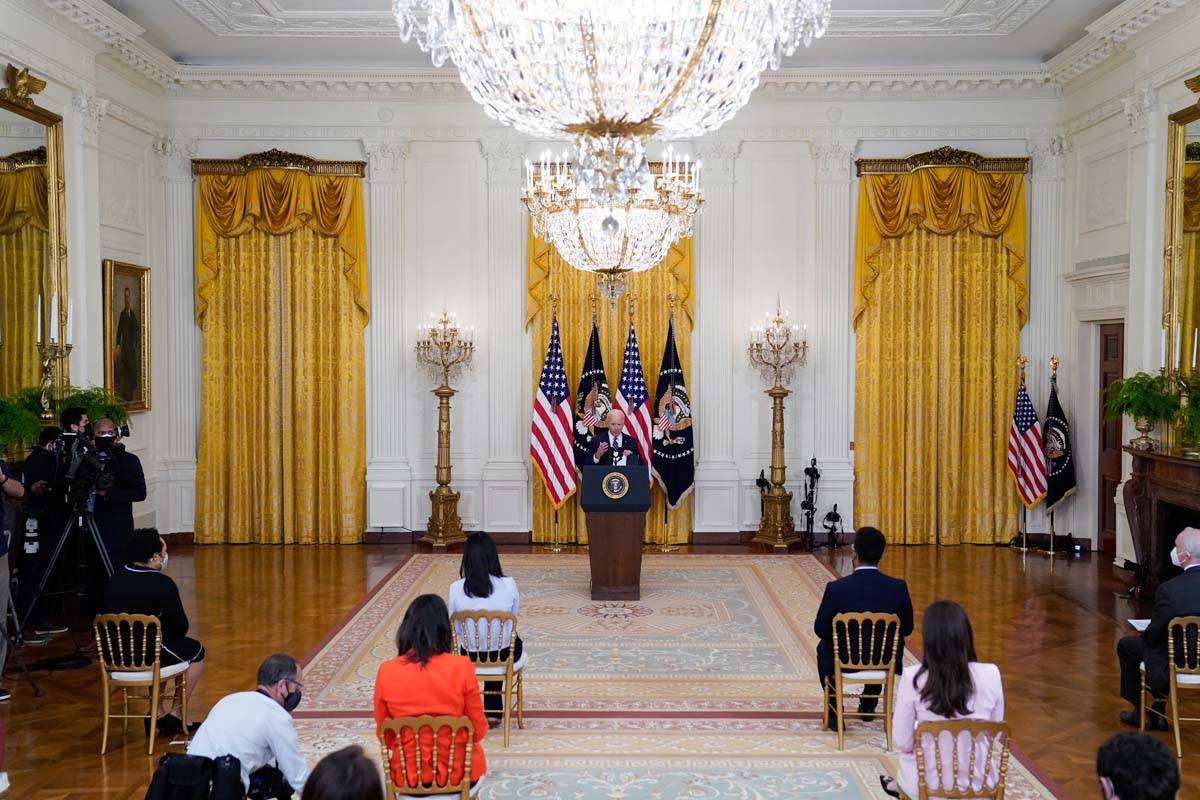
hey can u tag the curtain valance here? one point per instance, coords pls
(23, 197)
(941, 200)
(279, 201)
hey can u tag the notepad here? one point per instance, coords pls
(1139, 624)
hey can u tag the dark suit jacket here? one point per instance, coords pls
(1178, 597)
(862, 590)
(114, 510)
(627, 443)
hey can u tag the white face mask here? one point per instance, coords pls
(166, 557)
(1175, 557)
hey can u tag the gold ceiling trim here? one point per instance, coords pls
(23, 160)
(942, 157)
(276, 159)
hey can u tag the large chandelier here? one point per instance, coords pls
(611, 73)
(613, 241)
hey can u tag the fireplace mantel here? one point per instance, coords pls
(1162, 489)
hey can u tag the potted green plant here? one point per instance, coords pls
(19, 426)
(96, 401)
(1147, 398)
(1189, 418)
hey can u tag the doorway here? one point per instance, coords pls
(1112, 366)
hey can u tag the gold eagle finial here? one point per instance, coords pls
(21, 86)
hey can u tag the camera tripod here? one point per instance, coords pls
(80, 520)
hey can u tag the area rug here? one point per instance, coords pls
(705, 688)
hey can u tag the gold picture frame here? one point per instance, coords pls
(127, 333)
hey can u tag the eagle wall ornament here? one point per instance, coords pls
(21, 86)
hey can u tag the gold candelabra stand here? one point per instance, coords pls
(444, 349)
(776, 349)
(51, 353)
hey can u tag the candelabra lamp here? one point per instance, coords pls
(776, 349)
(444, 349)
(51, 352)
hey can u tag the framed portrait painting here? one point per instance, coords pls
(127, 333)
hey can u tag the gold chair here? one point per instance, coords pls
(1183, 663)
(864, 652)
(985, 765)
(408, 729)
(480, 635)
(129, 650)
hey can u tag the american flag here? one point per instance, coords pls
(667, 419)
(1026, 452)
(631, 397)
(550, 438)
(589, 417)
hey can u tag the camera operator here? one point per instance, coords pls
(120, 486)
(9, 487)
(46, 504)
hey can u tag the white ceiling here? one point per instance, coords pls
(347, 33)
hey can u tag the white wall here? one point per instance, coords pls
(446, 229)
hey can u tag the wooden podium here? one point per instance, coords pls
(615, 500)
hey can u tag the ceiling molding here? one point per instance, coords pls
(134, 119)
(1107, 36)
(902, 80)
(121, 36)
(249, 18)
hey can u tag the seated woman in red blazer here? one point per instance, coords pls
(428, 678)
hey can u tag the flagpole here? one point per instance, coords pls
(556, 547)
(1024, 532)
(666, 546)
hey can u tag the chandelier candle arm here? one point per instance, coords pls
(444, 349)
(776, 349)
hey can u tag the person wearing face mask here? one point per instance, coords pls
(113, 509)
(141, 587)
(257, 729)
(1178, 597)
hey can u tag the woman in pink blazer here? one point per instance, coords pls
(950, 685)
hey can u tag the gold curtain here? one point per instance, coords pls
(940, 291)
(24, 262)
(549, 275)
(1189, 286)
(281, 297)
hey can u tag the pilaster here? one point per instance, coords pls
(180, 391)
(506, 498)
(82, 123)
(714, 343)
(389, 473)
(831, 353)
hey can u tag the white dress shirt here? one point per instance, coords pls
(257, 731)
(504, 597)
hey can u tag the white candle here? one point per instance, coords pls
(1195, 340)
(37, 312)
(1178, 352)
(53, 319)
(70, 320)
(1162, 347)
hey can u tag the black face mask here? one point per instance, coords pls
(105, 441)
(291, 700)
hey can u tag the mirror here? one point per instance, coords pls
(32, 237)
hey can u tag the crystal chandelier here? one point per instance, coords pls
(613, 241)
(611, 73)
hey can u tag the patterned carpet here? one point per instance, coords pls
(705, 688)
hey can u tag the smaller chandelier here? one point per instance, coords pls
(777, 348)
(615, 240)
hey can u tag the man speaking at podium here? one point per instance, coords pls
(614, 447)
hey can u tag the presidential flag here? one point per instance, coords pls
(592, 398)
(632, 397)
(1026, 452)
(550, 436)
(674, 461)
(1061, 481)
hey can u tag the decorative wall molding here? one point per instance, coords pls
(91, 109)
(786, 84)
(505, 161)
(175, 155)
(1107, 36)
(386, 160)
(834, 159)
(1047, 162)
(133, 118)
(120, 35)
(1138, 107)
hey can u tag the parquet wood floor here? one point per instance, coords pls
(1052, 628)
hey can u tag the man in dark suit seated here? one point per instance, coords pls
(865, 589)
(1178, 597)
(614, 446)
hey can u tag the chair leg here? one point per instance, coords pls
(154, 690)
(1175, 718)
(521, 700)
(508, 687)
(125, 711)
(888, 689)
(841, 712)
(107, 716)
(1142, 705)
(183, 701)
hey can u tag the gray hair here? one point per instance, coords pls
(1189, 540)
(277, 668)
